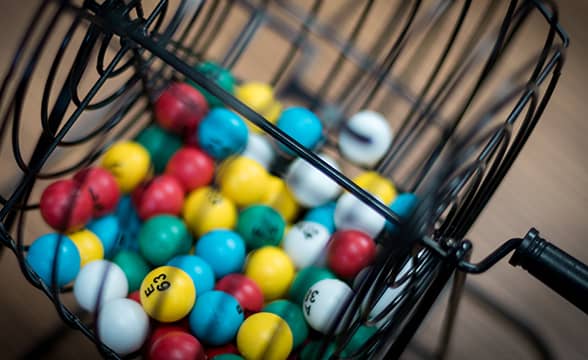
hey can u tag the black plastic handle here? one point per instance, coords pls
(555, 268)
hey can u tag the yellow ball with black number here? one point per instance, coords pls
(260, 97)
(129, 163)
(272, 270)
(264, 336)
(376, 185)
(88, 244)
(279, 197)
(206, 209)
(167, 294)
(242, 180)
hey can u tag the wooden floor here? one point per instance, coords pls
(547, 188)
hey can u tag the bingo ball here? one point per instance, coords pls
(167, 294)
(260, 225)
(305, 279)
(134, 267)
(227, 357)
(103, 188)
(89, 246)
(176, 345)
(192, 167)
(206, 209)
(403, 206)
(123, 326)
(309, 185)
(244, 290)
(48, 249)
(292, 314)
(160, 144)
(280, 198)
(223, 352)
(216, 318)
(129, 224)
(66, 206)
(324, 215)
(180, 108)
(260, 98)
(222, 133)
(220, 76)
(162, 237)
(306, 244)
(161, 195)
(242, 180)
(349, 252)
(223, 250)
(302, 125)
(129, 162)
(314, 351)
(98, 283)
(264, 336)
(352, 213)
(260, 149)
(365, 138)
(271, 268)
(135, 296)
(361, 336)
(107, 228)
(198, 269)
(324, 302)
(376, 185)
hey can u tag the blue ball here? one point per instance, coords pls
(216, 318)
(403, 205)
(222, 133)
(49, 249)
(129, 225)
(198, 269)
(301, 124)
(324, 215)
(223, 250)
(107, 229)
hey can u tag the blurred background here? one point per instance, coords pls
(546, 188)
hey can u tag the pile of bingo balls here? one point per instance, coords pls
(187, 247)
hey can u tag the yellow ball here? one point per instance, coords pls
(260, 97)
(280, 198)
(271, 269)
(129, 162)
(88, 244)
(376, 185)
(206, 209)
(264, 336)
(243, 180)
(167, 294)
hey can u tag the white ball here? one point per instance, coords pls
(352, 213)
(365, 138)
(260, 149)
(123, 326)
(306, 243)
(389, 295)
(322, 303)
(310, 187)
(98, 283)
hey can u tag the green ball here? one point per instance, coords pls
(304, 279)
(360, 337)
(311, 351)
(260, 225)
(293, 315)
(134, 267)
(160, 144)
(228, 357)
(221, 77)
(162, 237)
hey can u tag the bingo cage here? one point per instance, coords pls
(461, 83)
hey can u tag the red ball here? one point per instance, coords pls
(176, 345)
(135, 296)
(66, 206)
(192, 167)
(162, 329)
(103, 188)
(180, 108)
(161, 195)
(245, 290)
(349, 251)
(211, 352)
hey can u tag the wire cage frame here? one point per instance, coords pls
(455, 78)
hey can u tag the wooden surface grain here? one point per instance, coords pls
(547, 188)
